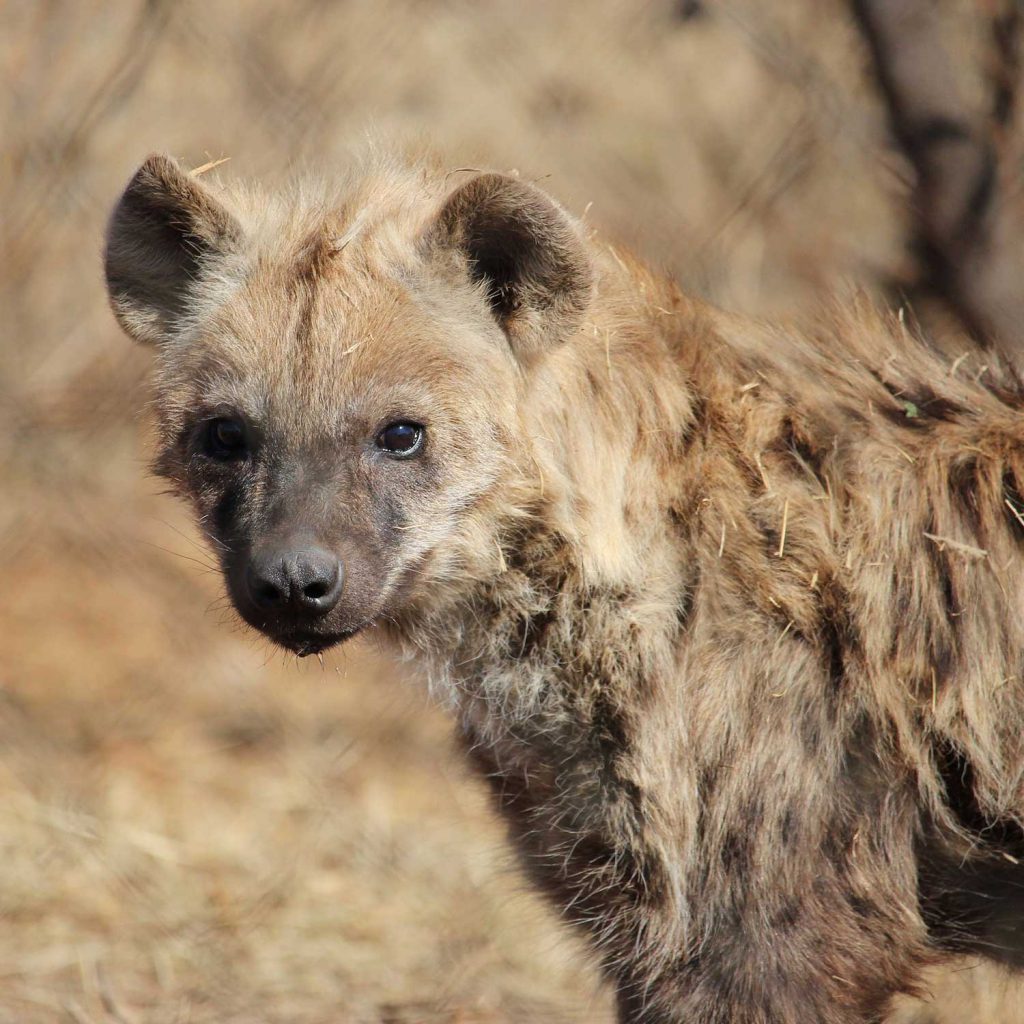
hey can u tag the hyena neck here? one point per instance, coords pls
(540, 652)
(582, 609)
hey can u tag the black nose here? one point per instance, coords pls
(302, 581)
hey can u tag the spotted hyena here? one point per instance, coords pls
(729, 616)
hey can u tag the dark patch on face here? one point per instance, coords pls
(388, 513)
(226, 511)
(305, 299)
(172, 459)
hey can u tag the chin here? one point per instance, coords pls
(305, 644)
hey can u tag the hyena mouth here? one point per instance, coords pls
(305, 644)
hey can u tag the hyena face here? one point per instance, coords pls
(338, 387)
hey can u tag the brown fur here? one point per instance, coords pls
(729, 614)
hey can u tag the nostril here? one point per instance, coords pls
(320, 582)
(268, 586)
(317, 589)
(322, 587)
(267, 593)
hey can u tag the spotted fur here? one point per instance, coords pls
(728, 614)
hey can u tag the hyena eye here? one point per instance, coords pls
(402, 439)
(226, 439)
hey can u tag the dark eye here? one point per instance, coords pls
(402, 439)
(226, 439)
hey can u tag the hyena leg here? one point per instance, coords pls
(785, 982)
(824, 934)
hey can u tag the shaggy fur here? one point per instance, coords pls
(729, 615)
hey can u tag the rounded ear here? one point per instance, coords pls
(164, 229)
(527, 253)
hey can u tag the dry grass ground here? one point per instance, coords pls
(192, 827)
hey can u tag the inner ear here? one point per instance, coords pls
(499, 267)
(525, 251)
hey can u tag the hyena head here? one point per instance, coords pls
(339, 383)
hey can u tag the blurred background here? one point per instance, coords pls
(193, 827)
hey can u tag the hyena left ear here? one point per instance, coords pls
(165, 231)
(527, 253)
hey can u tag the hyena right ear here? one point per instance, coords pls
(165, 229)
(526, 252)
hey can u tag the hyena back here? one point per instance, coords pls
(729, 615)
